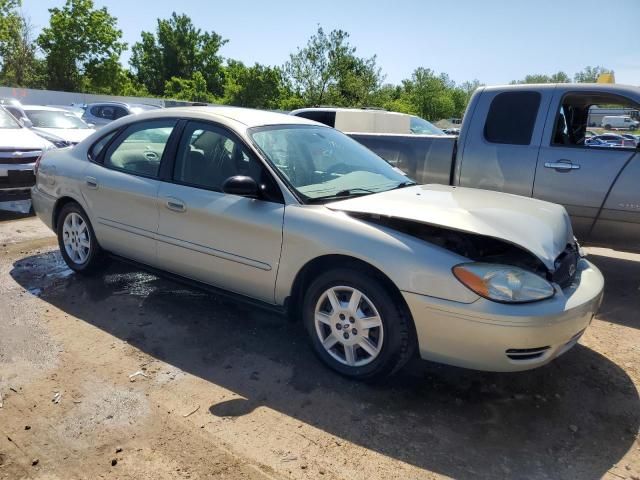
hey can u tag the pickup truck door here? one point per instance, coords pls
(579, 177)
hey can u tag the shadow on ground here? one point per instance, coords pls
(574, 418)
(621, 303)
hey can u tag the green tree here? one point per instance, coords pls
(20, 67)
(178, 49)
(327, 70)
(590, 74)
(429, 94)
(258, 86)
(80, 40)
(559, 77)
(193, 89)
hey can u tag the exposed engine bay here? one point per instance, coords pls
(479, 248)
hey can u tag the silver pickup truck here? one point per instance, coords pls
(533, 140)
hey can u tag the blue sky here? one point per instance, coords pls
(491, 40)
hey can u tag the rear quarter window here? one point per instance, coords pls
(512, 117)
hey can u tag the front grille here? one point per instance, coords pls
(17, 179)
(18, 156)
(566, 267)
(520, 354)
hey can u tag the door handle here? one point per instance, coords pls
(91, 182)
(562, 165)
(175, 204)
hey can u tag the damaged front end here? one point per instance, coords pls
(483, 248)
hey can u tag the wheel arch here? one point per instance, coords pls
(59, 205)
(323, 263)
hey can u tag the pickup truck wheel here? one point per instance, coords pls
(77, 241)
(355, 326)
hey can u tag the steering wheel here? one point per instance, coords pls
(338, 168)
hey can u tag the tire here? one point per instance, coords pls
(388, 346)
(83, 254)
(607, 127)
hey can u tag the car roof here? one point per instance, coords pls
(246, 116)
(345, 109)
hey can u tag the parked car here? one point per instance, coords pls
(105, 112)
(77, 110)
(57, 122)
(19, 150)
(531, 140)
(619, 121)
(616, 140)
(14, 107)
(297, 217)
(634, 138)
(368, 120)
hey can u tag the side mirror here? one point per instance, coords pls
(241, 185)
(26, 123)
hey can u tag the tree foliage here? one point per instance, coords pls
(327, 70)
(258, 86)
(590, 74)
(20, 67)
(178, 50)
(559, 77)
(79, 43)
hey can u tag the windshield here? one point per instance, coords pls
(421, 126)
(52, 119)
(320, 162)
(7, 120)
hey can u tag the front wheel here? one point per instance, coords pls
(77, 241)
(356, 326)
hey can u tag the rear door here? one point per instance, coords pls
(501, 141)
(578, 175)
(121, 188)
(228, 241)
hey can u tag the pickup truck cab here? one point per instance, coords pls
(530, 140)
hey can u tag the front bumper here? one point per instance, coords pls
(486, 335)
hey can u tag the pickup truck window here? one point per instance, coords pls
(581, 110)
(511, 118)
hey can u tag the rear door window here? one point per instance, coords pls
(140, 147)
(512, 117)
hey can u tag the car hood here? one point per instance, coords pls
(21, 139)
(73, 135)
(542, 228)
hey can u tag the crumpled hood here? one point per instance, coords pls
(542, 228)
(21, 139)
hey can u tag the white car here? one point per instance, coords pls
(19, 150)
(57, 122)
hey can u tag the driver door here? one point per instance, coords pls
(225, 240)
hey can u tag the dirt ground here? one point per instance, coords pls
(228, 391)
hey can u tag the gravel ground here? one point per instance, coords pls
(228, 391)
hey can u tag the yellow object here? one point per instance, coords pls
(606, 78)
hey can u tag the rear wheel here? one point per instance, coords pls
(77, 241)
(607, 127)
(356, 327)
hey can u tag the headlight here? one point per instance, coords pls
(503, 283)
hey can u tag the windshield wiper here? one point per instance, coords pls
(408, 183)
(350, 192)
